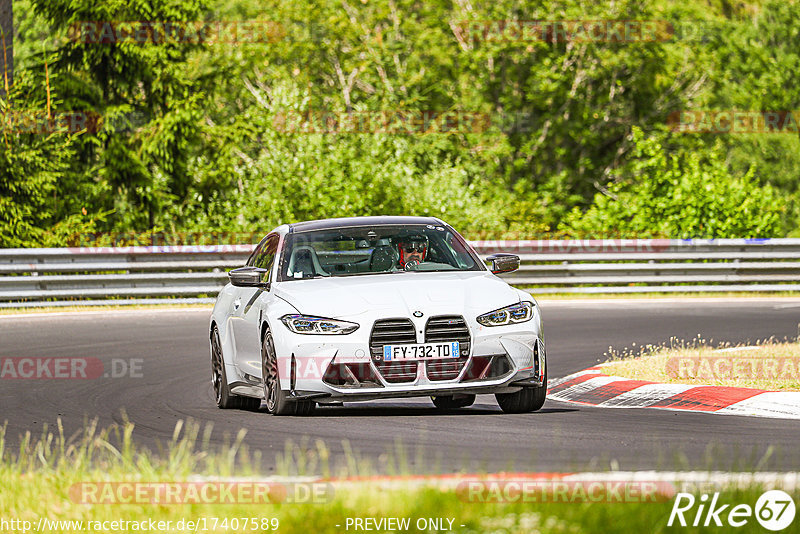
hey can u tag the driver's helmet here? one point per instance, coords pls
(412, 248)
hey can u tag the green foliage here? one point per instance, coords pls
(289, 177)
(32, 160)
(52, 474)
(189, 141)
(679, 196)
(139, 169)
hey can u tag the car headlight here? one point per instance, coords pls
(516, 313)
(306, 324)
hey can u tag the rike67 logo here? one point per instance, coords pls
(774, 510)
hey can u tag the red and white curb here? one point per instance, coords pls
(593, 387)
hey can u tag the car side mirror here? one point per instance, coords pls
(503, 263)
(247, 277)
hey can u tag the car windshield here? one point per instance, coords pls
(375, 250)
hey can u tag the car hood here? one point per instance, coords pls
(398, 294)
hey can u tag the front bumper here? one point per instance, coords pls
(342, 368)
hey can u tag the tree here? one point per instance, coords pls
(689, 195)
(33, 157)
(150, 99)
(6, 45)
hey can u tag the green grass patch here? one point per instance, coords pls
(40, 475)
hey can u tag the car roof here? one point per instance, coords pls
(349, 222)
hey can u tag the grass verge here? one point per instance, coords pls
(771, 365)
(39, 480)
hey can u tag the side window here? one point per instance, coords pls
(251, 260)
(265, 257)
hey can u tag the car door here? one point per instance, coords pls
(236, 309)
(247, 308)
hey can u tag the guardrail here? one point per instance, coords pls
(133, 275)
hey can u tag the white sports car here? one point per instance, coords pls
(366, 308)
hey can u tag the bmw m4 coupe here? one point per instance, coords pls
(365, 308)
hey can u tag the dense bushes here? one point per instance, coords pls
(679, 195)
(189, 140)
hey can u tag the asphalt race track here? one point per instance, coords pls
(174, 384)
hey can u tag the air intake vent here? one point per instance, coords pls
(487, 368)
(351, 375)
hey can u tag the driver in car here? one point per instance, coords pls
(412, 250)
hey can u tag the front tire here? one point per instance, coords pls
(278, 402)
(525, 400)
(219, 381)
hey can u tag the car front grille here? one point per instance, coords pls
(392, 332)
(400, 331)
(447, 328)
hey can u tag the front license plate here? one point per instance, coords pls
(421, 351)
